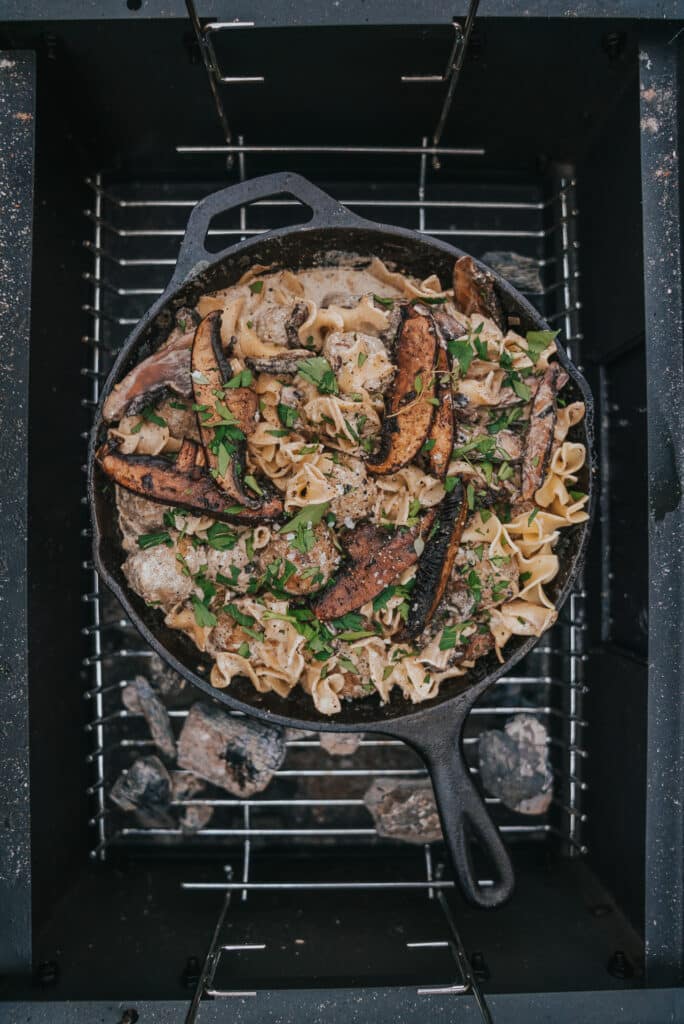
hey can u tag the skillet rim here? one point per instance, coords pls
(411, 718)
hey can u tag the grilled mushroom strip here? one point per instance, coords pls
(374, 562)
(437, 561)
(184, 483)
(474, 291)
(167, 369)
(408, 408)
(441, 436)
(285, 362)
(226, 414)
(539, 439)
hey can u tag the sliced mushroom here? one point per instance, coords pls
(295, 320)
(437, 561)
(441, 436)
(474, 291)
(167, 369)
(409, 408)
(540, 432)
(184, 483)
(375, 561)
(450, 324)
(224, 442)
(285, 362)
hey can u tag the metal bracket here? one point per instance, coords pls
(451, 74)
(204, 35)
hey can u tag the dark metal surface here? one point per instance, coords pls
(437, 738)
(351, 12)
(291, 1006)
(17, 104)
(664, 300)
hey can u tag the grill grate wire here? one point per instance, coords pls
(135, 231)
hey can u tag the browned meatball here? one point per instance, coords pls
(312, 570)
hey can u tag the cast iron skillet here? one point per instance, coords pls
(433, 728)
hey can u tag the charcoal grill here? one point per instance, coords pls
(290, 903)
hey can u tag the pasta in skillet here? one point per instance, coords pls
(364, 494)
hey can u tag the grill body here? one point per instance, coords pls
(308, 908)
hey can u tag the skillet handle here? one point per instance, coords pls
(465, 817)
(193, 255)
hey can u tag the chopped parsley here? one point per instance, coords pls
(153, 540)
(302, 526)
(256, 287)
(361, 359)
(470, 496)
(428, 446)
(521, 389)
(229, 581)
(220, 537)
(532, 516)
(243, 650)
(383, 301)
(462, 351)
(319, 372)
(287, 415)
(253, 485)
(352, 620)
(241, 380)
(203, 615)
(537, 341)
(148, 416)
(450, 483)
(577, 495)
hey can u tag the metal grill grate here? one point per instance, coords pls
(317, 799)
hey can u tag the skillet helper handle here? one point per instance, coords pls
(193, 255)
(464, 817)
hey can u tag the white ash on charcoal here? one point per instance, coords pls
(514, 765)
(521, 271)
(175, 691)
(140, 698)
(145, 790)
(186, 786)
(404, 810)
(240, 755)
(340, 744)
(298, 734)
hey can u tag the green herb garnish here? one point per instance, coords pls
(537, 341)
(319, 372)
(152, 540)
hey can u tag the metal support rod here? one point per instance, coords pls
(456, 58)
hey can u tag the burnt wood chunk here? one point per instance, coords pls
(186, 786)
(190, 486)
(408, 406)
(375, 561)
(475, 292)
(404, 810)
(240, 755)
(340, 744)
(539, 440)
(140, 698)
(145, 789)
(514, 765)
